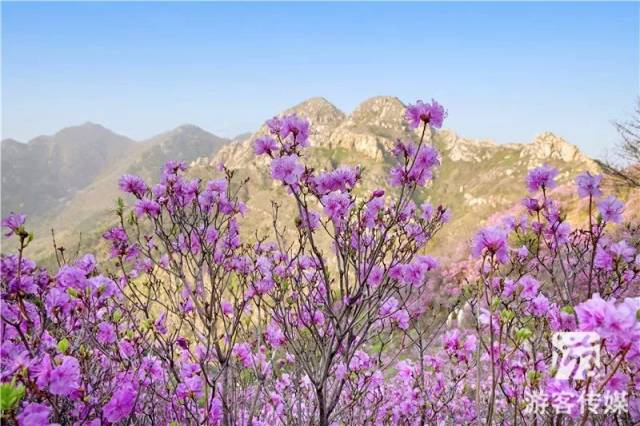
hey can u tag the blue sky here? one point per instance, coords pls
(505, 71)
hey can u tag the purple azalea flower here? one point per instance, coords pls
(57, 302)
(121, 403)
(530, 287)
(388, 307)
(72, 277)
(34, 414)
(623, 250)
(371, 212)
(265, 145)
(226, 307)
(216, 413)
(310, 220)
(151, 370)
(427, 211)
(492, 241)
(375, 276)
(146, 206)
(603, 259)
(274, 336)
(539, 305)
(341, 179)
(243, 352)
(562, 232)
(592, 313)
(115, 234)
(106, 333)
(432, 114)
(13, 222)
(218, 186)
(401, 318)
(297, 127)
(102, 287)
(522, 252)
(126, 348)
(65, 378)
(618, 382)
(41, 371)
(173, 167)
(161, 323)
(192, 386)
(588, 185)
(275, 126)
(318, 317)
(287, 169)
(87, 263)
(611, 209)
(159, 191)
(541, 178)
(133, 185)
(263, 286)
(337, 206)
(445, 216)
(211, 236)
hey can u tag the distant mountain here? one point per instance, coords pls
(45, 172)
(186, 142)
(69, 181)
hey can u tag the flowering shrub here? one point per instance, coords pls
(345, 320)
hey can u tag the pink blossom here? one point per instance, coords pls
(287, 169)
(106, 333)
(432, 114)
(34, 414)
(65, 378)
(121, 403)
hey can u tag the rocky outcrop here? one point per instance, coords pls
(323, 116)
(461, 149)
(549, 146)
(372, 127)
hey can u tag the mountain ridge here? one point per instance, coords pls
(476, 177)
(75, 171)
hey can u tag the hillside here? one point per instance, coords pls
(44, 173)
(88, 194)
(477, 178)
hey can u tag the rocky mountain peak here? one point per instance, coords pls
(86, 129)
(187, 128)
(313, 106)
(457, 148)
(322, 114)
(372, 127)
(549, 146)
(380, 111)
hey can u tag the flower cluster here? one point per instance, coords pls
(341, 319)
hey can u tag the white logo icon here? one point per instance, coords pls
(576, 354)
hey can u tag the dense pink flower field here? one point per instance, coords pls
(348, 322)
